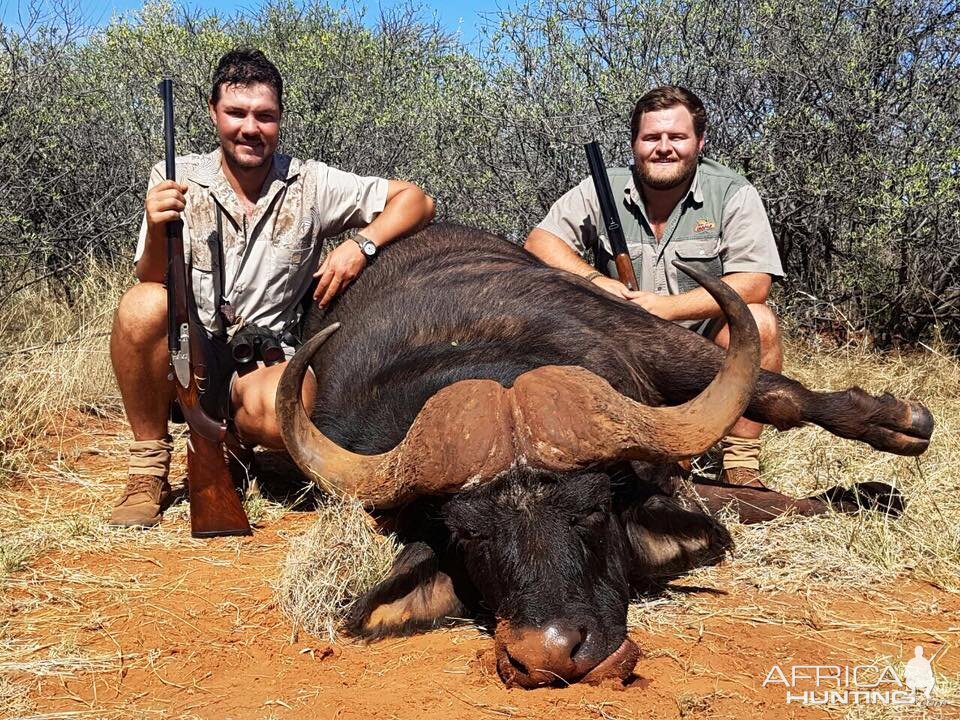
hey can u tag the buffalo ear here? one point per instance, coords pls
(415, 596)
(668, 540)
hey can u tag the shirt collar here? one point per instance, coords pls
(695, 190)
(208, 173)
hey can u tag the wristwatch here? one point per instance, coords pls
(367, 246)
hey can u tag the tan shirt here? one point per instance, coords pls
(269, 258)
(720, 225)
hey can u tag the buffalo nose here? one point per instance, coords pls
(547, 653)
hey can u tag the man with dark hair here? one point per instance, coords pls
(676, 204)
(255, 223)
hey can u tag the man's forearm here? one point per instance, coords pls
(555, 252)
(699, 305)
(152, 265)
(407, 210)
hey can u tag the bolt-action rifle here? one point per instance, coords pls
(215, 508)
(611, 219)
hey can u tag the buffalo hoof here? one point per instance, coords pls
(876, 496)
(902, 428)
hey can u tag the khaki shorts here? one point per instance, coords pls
(709, 328)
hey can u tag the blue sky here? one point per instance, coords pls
(464, 15)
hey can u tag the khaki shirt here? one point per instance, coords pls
(720, 226)
(269, 258)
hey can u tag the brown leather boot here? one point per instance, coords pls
(142, 503)
(746, 477)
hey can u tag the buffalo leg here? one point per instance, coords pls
(883, 422)
(755, 505)
(665, 355)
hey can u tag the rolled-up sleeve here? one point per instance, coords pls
(747, 243)
(574, 217)
(345, 200)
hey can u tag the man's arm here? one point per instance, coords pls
(407, 209)
(693, 305)
(553, 251)
(164, 202)
(698, 305)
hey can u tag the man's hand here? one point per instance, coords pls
(659, 305)
(165, 201)
(618, 289)
(614, 287)
(338, 270)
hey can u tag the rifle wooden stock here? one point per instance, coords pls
(215, 507)
(625, 270)
(611, 218)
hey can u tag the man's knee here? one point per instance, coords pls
(767, 324)
(771, 352)
(141, 316)
(253, 398)
(771, 349)
(255, 401)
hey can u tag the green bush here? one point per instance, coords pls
(842, 113)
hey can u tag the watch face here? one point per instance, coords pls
(369, 248)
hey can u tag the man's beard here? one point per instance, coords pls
(666, 175)
(247, 162)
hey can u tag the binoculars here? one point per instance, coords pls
(253, 343)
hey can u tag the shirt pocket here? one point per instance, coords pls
(294, 246)
(702, 253)
(203, 264)
(204, 293)
(292, 263)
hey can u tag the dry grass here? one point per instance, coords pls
(856, 551)
(14, 698)
(334, 561)
(57, 360)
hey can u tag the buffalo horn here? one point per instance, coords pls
(462, 432)
(571, 421)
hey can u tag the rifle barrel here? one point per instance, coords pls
(611, 218)
(169, 144)
(173, 228)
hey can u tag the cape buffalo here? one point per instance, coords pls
(524, 427)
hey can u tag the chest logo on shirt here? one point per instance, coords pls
(704, 225)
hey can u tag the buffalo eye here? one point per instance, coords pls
(470, 536)
(593, 518)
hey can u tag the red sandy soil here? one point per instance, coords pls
(200, 636)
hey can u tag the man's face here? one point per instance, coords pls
(247, 118)
(666, 148)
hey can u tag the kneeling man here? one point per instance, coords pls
(255, 223)
(676, 204)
